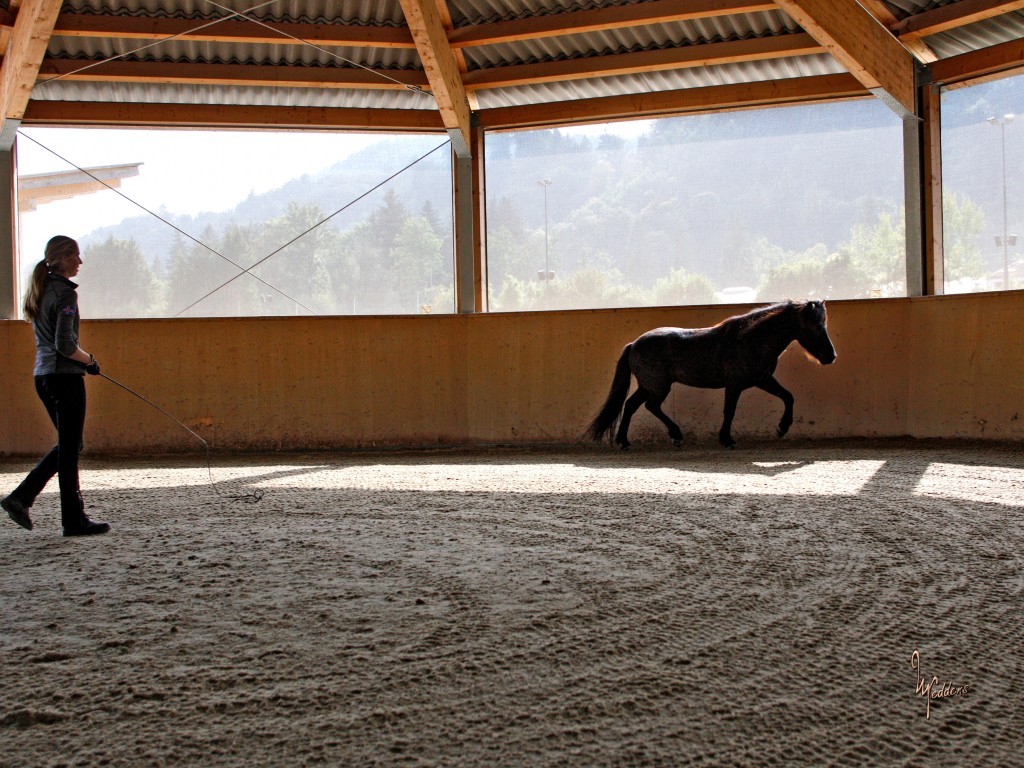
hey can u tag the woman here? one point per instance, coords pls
(52, 306)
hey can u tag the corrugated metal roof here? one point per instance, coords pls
(467, 12)
(903, 8)
(655, 82)
(963, 39)
(540, 49)
(129, 93)
(630, 39)
(183, 50)
(981, 34)
(369, 12)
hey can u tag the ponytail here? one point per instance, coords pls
(57, 248)
(36, 285)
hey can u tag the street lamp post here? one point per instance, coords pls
(545, 183)
(1002, 122)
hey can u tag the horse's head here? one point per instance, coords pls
(813, 333)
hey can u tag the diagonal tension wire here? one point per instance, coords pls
(314, 46)
(319, 223)
(173, 226)
(244, 14)
(158, 42)
(252, 496)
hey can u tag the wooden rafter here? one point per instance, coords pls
(843, 27)
(24, 54)
(708, 54)
(880, 11)
(596, 20)
(441, 69)
(861, 44)
(214, 116)
(460, 57)
(888, 19)
(986, 61)
(6, 29)
(230, 74)
(711, 98)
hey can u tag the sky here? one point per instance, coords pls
(189, 171)
(182, 172)
(199, 171)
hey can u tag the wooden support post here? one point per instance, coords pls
(913, 199)
(479, 219)
(934, 271)
(465, 272)
(8, 234)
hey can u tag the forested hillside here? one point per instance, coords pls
(784, 202)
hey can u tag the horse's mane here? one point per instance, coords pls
(760, 315)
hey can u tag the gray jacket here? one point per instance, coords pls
(56, 328)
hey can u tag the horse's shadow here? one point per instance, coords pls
(702, 461)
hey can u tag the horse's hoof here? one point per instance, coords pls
(623, 446)
(677, 443)
(780, 432)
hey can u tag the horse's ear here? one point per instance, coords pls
(814, 309)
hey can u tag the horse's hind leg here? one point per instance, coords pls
(635, 401)
(654, 401)
(772, 387)
(732, 397)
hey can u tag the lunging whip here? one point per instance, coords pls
(250, 497)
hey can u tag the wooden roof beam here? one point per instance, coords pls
(441, 70)
(992, 60)
(22, 57)
(916, 46)
(861, 44)
(121, 114)
(689, 100)
(460, 57)
(228, 74)
(6, 29)
(597, 20)
(730, 52)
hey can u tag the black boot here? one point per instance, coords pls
(86, 527)
(17, 510)
(79, 524)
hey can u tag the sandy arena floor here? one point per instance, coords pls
(577, 607)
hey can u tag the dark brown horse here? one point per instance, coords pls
(738, 353)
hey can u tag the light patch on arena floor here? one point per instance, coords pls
(996, 485)
(826, 478)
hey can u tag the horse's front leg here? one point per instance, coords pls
(732, 396)
(772, 387)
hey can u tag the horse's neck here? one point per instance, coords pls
(777, 332)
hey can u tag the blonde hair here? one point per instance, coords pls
(58, 247)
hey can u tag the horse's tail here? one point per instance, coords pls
(609, 413)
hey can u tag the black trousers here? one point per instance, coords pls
(63, 395)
